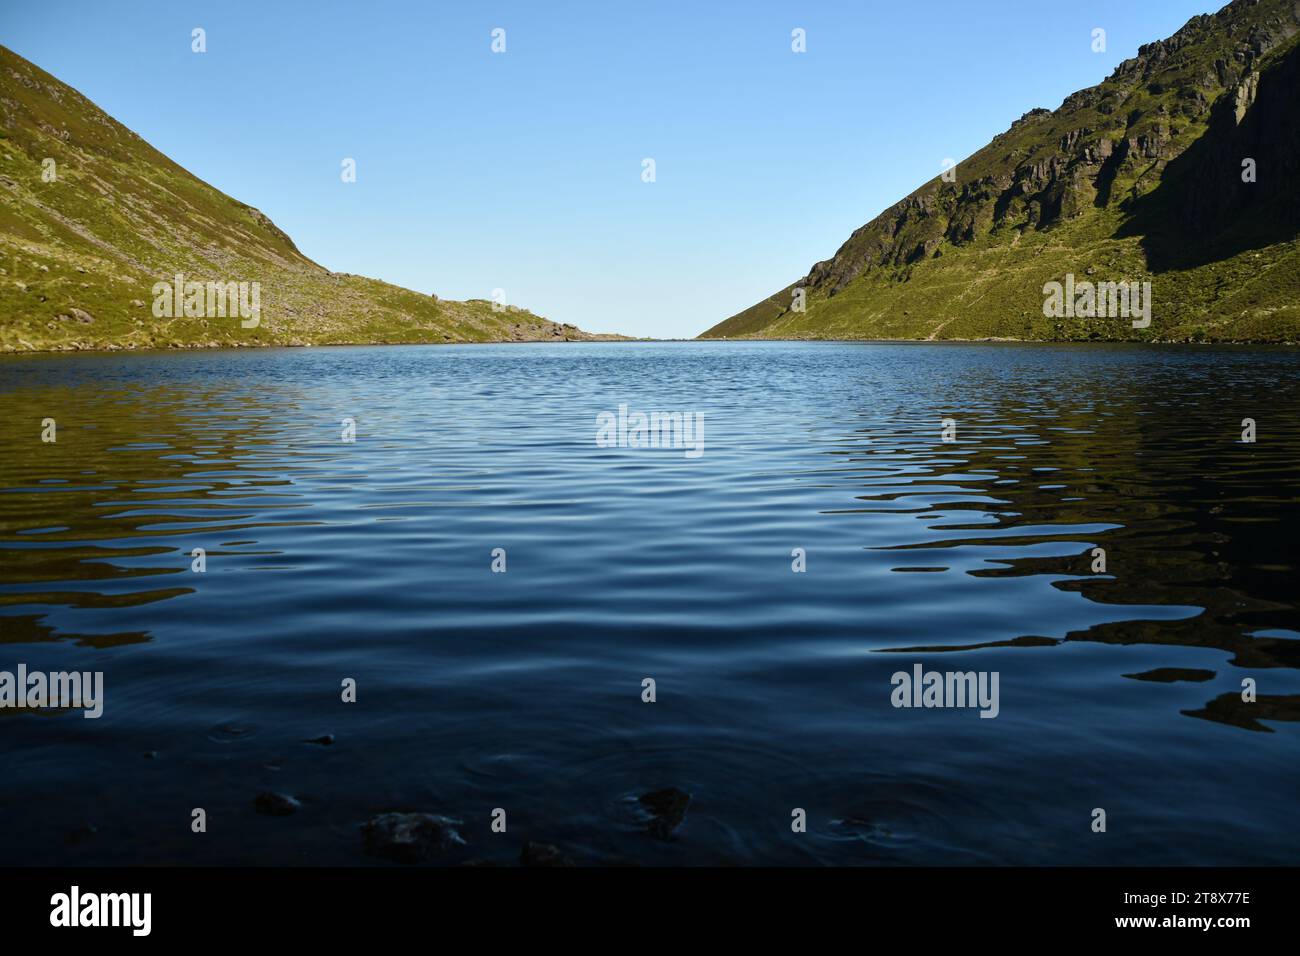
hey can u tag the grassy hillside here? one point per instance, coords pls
(1136, 179)
(80, 253)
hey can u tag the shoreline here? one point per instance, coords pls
(619, 340)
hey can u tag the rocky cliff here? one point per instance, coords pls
(1140, 178)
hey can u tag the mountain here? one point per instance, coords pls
(84, 239)
(1138, 179)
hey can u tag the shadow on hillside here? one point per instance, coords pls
(1203, 211)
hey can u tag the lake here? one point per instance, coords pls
(499, 581)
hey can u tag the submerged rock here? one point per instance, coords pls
(410, 837)
(276, 804)
(324, 740)
(542, 854)
(667, 809)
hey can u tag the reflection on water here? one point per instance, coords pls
(370, 560)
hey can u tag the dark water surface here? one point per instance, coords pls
(477, 690)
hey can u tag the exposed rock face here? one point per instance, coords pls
(1172, 120)
(1243, 98)
(1259, 122)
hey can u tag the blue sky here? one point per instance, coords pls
(522, 171)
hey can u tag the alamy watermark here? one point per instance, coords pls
(208, 300)
(75, 908)
(1100, 300)
(922, 688)
(57, 690)
(683, 430)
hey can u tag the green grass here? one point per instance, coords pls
(1090, 189)
(121, 216)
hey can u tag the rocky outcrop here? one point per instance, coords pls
(1210, 92)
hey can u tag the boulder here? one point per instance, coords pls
(410, 837)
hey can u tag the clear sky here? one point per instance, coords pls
(523, 170)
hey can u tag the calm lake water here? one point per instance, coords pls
(522, 690)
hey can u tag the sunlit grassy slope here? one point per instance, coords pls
(80, 254)
(1137, 179)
